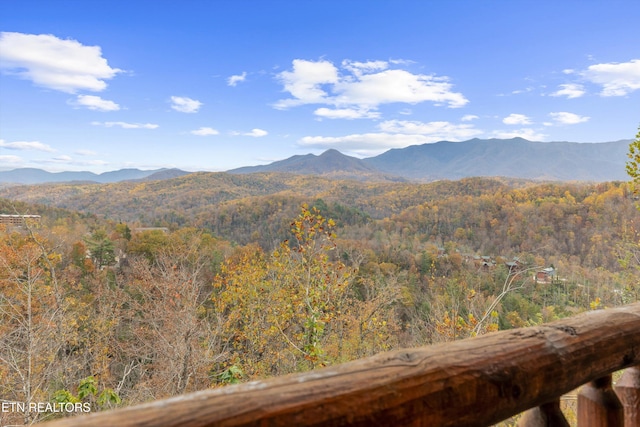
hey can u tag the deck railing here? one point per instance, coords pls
(474, 382)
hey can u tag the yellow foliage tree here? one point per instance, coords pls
(293, 309)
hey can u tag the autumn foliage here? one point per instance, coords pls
(295, 308)
(267, 275)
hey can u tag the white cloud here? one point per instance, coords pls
(66, 163)
(616, 79)
(126, 125)
(362, 86)
(10, 159)
(68, 160)
(256, 133)
(86, 153)
(62, 159)
(185, 105)
(93, 102)
(26, 146)
(570, 90)
(359, 68)
(92, 163)
(397, 86)
(526, 133)
(437, 130)
(516, 119)
(525, 90)
(205, 131)
(402, 61)
(393, 134)
(65, 65)
(565, 118)
(368, 144)
(469, 117)
(304, 82)
(234, 80)
(346, 113)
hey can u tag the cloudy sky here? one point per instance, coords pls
(213, 85)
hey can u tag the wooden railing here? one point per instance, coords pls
(474, 382)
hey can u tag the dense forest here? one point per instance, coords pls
(129, 292)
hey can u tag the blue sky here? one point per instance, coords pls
(213, 85)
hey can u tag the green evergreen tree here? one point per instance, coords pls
(101, 248)
(633, 164)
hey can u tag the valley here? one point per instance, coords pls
(152, 288)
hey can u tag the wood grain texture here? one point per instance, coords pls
(628, 390)
(473, 382)
(599, 406)
(546, 415)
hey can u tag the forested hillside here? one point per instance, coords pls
(178, 201)
(481, 215)
(128, 292)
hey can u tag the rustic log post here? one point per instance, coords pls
(598, 405)
(628, 390)
(546, 415)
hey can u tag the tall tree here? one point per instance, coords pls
(633, 164)
(101, 249)
(169, 331)
(30, 323)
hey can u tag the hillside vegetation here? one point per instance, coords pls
(180, 200)
(480, 215)
(249, 276)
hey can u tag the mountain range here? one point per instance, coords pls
(512, 158)
(39, 176)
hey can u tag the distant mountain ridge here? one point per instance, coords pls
(516, 158)
(512, 158)
(38, 176)
(509, 158)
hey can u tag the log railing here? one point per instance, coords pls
(474, 382)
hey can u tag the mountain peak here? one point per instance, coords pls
(330, 163)
(332, 152)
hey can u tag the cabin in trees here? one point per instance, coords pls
(18, 220)
(484, 261)
(515, 266)
(545, 275)
(488, 262)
